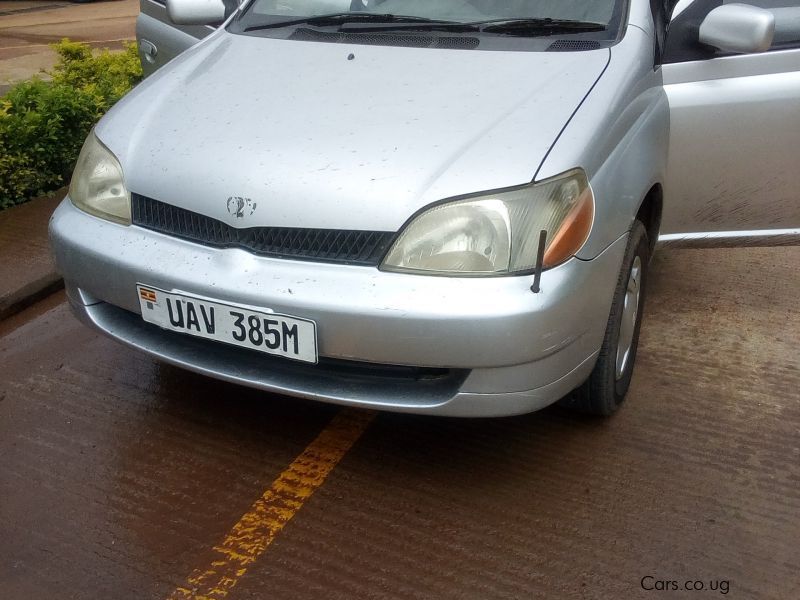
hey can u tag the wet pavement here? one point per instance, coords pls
(31, 274)
(119, 476)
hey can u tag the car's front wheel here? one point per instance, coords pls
(605, 389)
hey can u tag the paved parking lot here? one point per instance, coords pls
(124, 478)
(28, 27)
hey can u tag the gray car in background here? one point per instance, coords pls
(433, 206)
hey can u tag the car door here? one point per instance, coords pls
(160, 40)
(734, 133)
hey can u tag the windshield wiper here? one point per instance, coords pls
(334, 19)
(538, 26)
(365, 21)
(518, 27)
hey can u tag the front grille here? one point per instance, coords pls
(299, 243)
(387, 39)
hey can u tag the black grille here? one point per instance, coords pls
(393, 39)
(573, 45)
(325, 245)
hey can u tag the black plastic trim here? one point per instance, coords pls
(354, 247)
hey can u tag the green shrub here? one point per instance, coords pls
(44, 123)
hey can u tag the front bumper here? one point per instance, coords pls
(506, 350)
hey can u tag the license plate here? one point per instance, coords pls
(238, 325)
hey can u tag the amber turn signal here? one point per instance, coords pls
(573, 232)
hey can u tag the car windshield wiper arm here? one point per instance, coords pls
(518, 27)
(541, 25)
(365, 21)
(334, 19)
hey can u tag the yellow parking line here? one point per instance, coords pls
(259, 526)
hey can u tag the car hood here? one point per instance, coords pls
(340, 136)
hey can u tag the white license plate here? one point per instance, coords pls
(238, 325)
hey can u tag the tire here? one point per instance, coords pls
(605, 389)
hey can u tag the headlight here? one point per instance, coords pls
(97, 184)
(498, 234)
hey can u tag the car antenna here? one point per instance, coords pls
(537, 274)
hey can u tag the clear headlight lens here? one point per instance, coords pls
(498, 234)
(97, 185)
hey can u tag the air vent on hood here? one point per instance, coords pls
(386, 39)
(324, 245)
(573, 45)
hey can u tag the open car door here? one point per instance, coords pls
(160, 40)
(734, 150)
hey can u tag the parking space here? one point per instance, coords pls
(122, 477)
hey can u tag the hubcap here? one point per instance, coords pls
(630, 311)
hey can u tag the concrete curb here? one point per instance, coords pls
(27, 270)
(30, 294)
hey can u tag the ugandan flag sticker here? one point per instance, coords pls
(148, 297)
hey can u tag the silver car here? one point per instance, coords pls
(432, 206)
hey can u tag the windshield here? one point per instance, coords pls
(593, 12)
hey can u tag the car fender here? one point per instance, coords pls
(619, 136)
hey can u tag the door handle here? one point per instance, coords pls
(149, 50)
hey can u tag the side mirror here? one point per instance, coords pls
(195, 12)
(738, 28)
